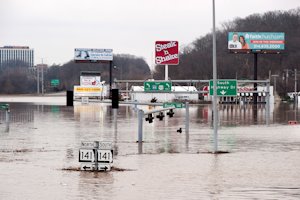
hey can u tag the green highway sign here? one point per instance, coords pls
(54, 82)
(225, 87)
(4, 106)
(173, 104)
(154, 86)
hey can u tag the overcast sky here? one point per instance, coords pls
(55, 27)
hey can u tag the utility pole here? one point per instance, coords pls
(42, 76)
(296, 94)
(38, 80)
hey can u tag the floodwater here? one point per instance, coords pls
(39, 153)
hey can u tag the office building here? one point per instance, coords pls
(16, 56)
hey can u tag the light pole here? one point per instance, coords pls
(215, 98)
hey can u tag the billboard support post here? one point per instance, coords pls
(255, 78)
(296, 94)
(166, 72)
(110, 77)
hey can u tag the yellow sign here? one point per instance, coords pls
(88, 89)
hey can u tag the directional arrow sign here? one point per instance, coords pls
(88, 167)
(102, 167)
(223, 92)
(157, 86)
(225, 87)
(173, 104)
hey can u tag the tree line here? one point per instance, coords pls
(20, 79)
(196, 58)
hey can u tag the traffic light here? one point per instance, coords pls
(149, 118)
(160, 116)
(170, 113)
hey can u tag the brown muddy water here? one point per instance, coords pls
(39, 153)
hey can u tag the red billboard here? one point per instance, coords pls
(166, 53)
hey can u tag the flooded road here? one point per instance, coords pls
(39, 153)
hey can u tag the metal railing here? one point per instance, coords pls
(142, 113)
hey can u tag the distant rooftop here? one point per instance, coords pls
(15, 47)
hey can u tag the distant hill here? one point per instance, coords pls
(196, 59)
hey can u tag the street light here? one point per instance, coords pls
(215, 98)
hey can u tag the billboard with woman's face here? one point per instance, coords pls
(256, 41)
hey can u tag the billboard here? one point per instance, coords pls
(256, 41)
(93, 55)
(166, 53)
(90, 81)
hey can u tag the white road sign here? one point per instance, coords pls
(104, 167)
(86, 155)
(87, 144)
(105, 145)
(88, 167)
(105, 156)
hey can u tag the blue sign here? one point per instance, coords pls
(256, 41)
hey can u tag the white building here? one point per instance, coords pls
(137, 93)
(15, 55)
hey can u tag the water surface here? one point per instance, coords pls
(39, 153)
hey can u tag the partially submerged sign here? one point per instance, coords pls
(84, 100)
(96, 156)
